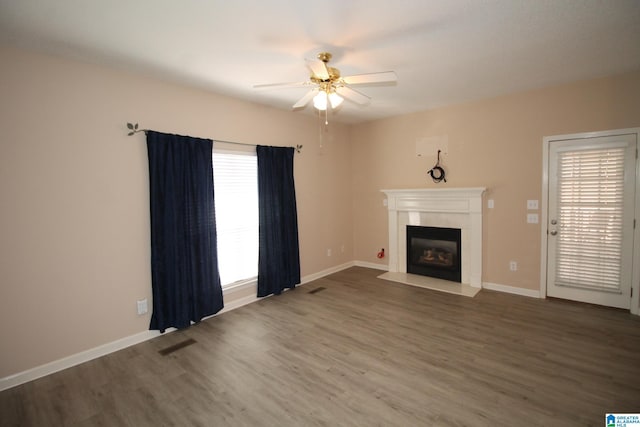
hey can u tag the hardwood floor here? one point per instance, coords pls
(361, 352)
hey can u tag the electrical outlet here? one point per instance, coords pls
(328, 252)
(532, 205)
(142, 306)
(342, 248)
(513, 266)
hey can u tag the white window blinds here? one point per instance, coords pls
(235, 180)
(590, 202)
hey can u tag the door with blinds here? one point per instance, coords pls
(591, 219)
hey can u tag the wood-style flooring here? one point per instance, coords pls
(354, 350)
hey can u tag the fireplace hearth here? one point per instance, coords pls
(434, 252)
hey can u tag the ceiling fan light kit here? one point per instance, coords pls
(330, 88)
(335, 100)
(320, 101)
(325, 98)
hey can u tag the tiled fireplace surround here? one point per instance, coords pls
(442, 207)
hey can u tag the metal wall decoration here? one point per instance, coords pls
(437, 172)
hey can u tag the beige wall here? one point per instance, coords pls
(74, 224)
(74, 246)
(495, 143)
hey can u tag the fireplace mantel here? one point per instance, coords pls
(438, 207)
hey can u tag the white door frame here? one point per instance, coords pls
(635, 275)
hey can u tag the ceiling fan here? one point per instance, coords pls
(329, 88)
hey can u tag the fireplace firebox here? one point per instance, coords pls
(434, 252)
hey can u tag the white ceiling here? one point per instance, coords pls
(443, 51)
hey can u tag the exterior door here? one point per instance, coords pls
(590, 220)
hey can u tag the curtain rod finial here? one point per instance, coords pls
(134, 129)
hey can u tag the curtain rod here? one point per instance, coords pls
(133, 129)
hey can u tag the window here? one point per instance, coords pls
(235, 179)
(591, 208)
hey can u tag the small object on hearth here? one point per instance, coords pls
(437, 173)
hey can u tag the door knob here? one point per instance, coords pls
(554, 222)
(553, 232)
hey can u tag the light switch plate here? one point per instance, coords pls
(490, 203)
(532, 204)
(532, 218)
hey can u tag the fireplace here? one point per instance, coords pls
(434, 252)
(449, 208)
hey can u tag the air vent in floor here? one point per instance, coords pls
(176, 347)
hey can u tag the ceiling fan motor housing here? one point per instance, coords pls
(334, 73)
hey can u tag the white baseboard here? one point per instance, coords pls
(366, 264)
(103, 350)
(323, 273)
(532, 293)
(76, 359)
(228, 306)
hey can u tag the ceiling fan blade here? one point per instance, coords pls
(361, 79)
(353, 95)
(280, 85)
(318, 68)
(305, 99)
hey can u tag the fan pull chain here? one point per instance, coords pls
(320, 129)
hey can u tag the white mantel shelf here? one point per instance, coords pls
(453, 200)
(438, 207)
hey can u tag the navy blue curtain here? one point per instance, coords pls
(184, 255)
(279, 253)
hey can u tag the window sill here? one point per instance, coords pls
(240, 285)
